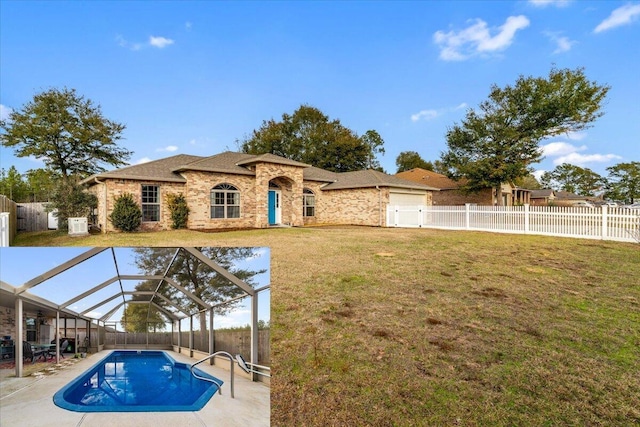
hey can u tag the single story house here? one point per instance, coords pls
(451, 194)
(543, 197)
(238, 190)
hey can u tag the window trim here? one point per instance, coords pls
(306, 195)
(144, 204)
(225, 189)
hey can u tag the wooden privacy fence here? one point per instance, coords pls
(605, 223)
(33, 217)
(232, 341)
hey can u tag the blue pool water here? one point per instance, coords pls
(137, 381)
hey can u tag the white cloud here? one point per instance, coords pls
(432, 114)
(188, 25)
(583, 159)
(478, 39)
(122, 42)
(169, 148)
(238, 317)
(538, 173)
(545, 3)
(424, 114)
(563, 44)
(160, 42)
(94, 314)
(563, 152)
(4, 112)
(621, 16)
(560, 149)
(576, 136)
(143, 160)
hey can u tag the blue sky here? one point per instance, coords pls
(19, 265)
(195, 77)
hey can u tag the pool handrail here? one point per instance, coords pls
(217, 353)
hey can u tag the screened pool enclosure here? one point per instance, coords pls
(195, 301)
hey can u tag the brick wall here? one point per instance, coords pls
(198, 194)
(108, 191)
(289, 178)
(363, 206)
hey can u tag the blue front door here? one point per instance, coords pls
(272, 207)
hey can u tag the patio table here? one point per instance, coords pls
(41, 350)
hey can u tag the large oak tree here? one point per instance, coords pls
(309, 136)
(67, 131)
(498, 142)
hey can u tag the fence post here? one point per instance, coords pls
(526, 218)
(467, 206)
(605, 220)
(4, 229)
(420, 216)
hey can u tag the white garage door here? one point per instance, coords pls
(406, 199)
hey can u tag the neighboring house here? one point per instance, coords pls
(451, 194)
(544, 197)
(237, 190)
(564, 198)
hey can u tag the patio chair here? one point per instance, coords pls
(27, 351)
(63, 347)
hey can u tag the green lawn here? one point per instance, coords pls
(376, 326)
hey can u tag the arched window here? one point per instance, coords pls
(225, 201)
(308, 203)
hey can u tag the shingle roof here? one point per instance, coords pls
(429, 178)
(372, 178)
(169, 169)
(157, 170)
(568, 196)
(272, 158)
(313, 173)
(539, 194)
(227, 162)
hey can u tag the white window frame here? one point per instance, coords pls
(308, 194)
(227, 197)
(147, 204)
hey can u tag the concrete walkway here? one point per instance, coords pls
(28, 402)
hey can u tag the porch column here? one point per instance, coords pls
(18, 353)
(57, 335)
(212, 347)
(254, 333)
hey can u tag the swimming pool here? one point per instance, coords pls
(137, 381)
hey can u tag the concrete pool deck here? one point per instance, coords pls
(28, 402)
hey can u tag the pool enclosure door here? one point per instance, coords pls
(274, 207)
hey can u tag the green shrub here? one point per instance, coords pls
(179, 210)
(126, 214)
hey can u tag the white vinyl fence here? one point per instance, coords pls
(619, 224)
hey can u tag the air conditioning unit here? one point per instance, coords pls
(78, 227)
